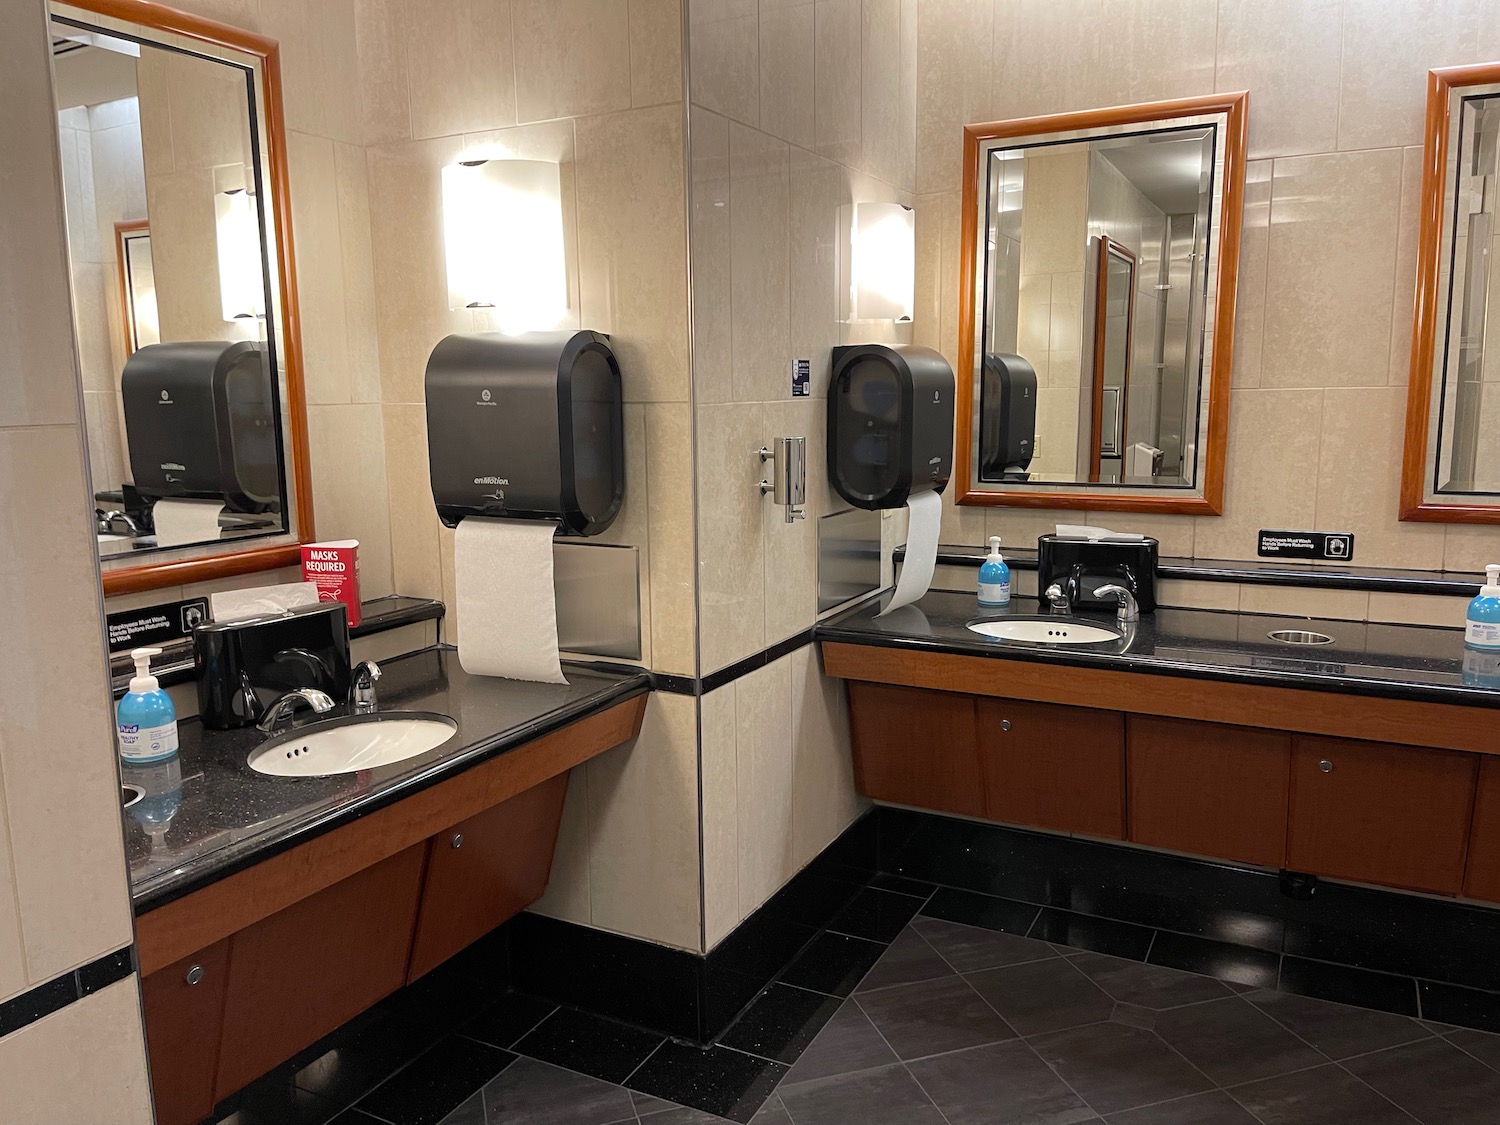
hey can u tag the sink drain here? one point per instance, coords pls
(1300, 637)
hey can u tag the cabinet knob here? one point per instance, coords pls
(1005, 724)
(1326, 766)
(194, 974)
(458, 840)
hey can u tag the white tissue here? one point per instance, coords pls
(257, 601)
(179, 522)
(507, 599)
(1086, 531)
(924, 521)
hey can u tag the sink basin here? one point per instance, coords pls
(358, 742)
(1046, 631)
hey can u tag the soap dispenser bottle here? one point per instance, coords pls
(146, 721)
(994, 579)
(1484, 613)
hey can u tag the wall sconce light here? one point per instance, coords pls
(882, 262)
(503, 241)
(241, 279)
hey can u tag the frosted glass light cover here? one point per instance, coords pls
(241, 281)
(882, 275)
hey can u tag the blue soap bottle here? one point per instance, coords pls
(1483, 629)
(146, 721)
(994, 579)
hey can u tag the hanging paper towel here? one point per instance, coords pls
(179, 522)
(924, 521)
(507, 601)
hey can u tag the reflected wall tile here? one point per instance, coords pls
(763, 756)
(572, 57)
(1301, 601)
(632, 245)
(655, 52)
(320, 266)
(1191, 594)
(824, 801)
(380, 47)
(1330, 270)
(416, 562)
(94, 286)
(712, 337)
(759, 282)
(460, 64)
(1286, 53)
(721, 830)
(1250, 289)
(819, 192)
(319, 66)
(957, 85)
(786, 73)
(632, 526)
(1407, 239)
(568, 893)
(837, 97)
(669, 450)
(643, 828)
(1418, 609)
(724, 44)
(731, 571)
(346, 445)
(791, 549)
(888, 118)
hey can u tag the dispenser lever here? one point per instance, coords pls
(788, 483)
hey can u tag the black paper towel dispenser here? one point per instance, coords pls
(890, 424)
(200, 423)
(1007, 413)
(526, 427)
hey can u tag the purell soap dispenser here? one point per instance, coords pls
(994, 579)
(146, 721)
(1483, 630)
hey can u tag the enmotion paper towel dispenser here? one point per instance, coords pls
(890, 424)
(1007, 433)
(526, 427)
(200, 422)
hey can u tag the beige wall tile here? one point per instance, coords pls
(356, 248)
(824, 801)
(83, 1063)
(888, 111)
(957, 85)
(572, 57)
(962, 523)
(1286, 53)
(673, 576)
(1407, 237)
(759, 189)
(1470, 548)
(712, 338)
(931, 277)
(819, 190)
(380, 47)
(1250, 289)
(13, 975)
(731, 566)
(837, 84)
(724, 48)
(568, 892)
(655, 52)
(416, 561)
(460, 66)
(347, 448)
(791, 549)
(1301, 601)
(786, 73)
(319, 66)
(763, 755)
(1150, 52)
(320, 269)
(721, 825)
(1418, 609)
(1174, 533)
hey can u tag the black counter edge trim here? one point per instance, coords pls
(57, 993)
(715, 680)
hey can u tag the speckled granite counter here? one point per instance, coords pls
(208, 814)
(1394, 661)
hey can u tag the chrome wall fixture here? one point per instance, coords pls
(788, 483)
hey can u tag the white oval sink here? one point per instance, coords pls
(359, 742)
(1045, 631)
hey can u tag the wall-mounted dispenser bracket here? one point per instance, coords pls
(788, 483)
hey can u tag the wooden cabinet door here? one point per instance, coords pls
(1052, 766)
(916, 747)
(1482, 878)
(297, 975)
(1209, 789)
(184, 1006)
(485, 870)
(1380, 813)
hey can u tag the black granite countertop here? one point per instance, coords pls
(206, 814)
(1365, 658)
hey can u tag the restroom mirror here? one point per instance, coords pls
(1451, 468)
(174, 179)
(1097, 306)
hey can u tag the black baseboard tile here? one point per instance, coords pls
(1343, 984)
(51, 996)
(1462, 1007)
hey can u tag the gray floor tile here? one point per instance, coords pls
(1233, 1042)
(1433, 1081)
(470, 1113)
(909, 959)
(1338, 1030)
(932, 1017)
(1213, 1108)
(1148, 986)
(1042, 996)
(536, 1093)
(887, 1096)
(848, 1042)
(647, 1104)
(1325, 1095)
(1001, 1084)
(772, 1113)
(1114, 1067)
(969, 948)
(1481, 1044)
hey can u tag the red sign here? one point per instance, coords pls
(334, 569)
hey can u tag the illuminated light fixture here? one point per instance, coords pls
(882, 262)
(503, 241)
(241, 292)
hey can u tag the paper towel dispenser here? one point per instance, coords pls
(890, 423)
(1007, 414)
(200, 423)
(526, 427)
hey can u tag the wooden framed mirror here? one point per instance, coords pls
(175, 176)
(1450, 468)
(1096, 303)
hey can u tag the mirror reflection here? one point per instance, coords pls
(166, 219)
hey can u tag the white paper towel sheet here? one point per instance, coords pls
(179, 522)
(507, 599)
(924, 522)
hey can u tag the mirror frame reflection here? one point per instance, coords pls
(154, 22)
(1420, 499)
(1228, 112)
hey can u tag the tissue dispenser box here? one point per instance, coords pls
(334, 569)
(1098, 562)
(245, 666)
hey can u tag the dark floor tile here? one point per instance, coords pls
(437, 1082)
(970, 948)
(875, 914)
(904, 886)
(1042, 996)
(1338, 1030)
(1147, 986)
(780, 1023)
(1481, 1044)
(833, 964)
(1462, 1007)
(1325, 1095)
(986, 911)
(714, 1079)
(932, 1017)
(1213, 1108)
(848, 1042)
(442, 1000)
(1233, 1042)
(589, 1044)
(529, 1092)
(908, 959)
(352, 1116)
(1115, 1067)
(359, 1056)
(886, 1096)
(1100, 935)
(509, 1018)
(1000, 1084)
(277, 1102)
(1344, 985)
(647, 1104)
(772, 1113)
(1434, 1081)
(1236, 964)
(471, 1112)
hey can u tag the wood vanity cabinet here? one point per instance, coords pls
(916, 747)
(184, 1008)
(1380, 813)
(1208, 788)
(1482, 876)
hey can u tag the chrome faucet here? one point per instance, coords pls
(1058, 599)
(1129, 610)
(362, 687)
(317, 700)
